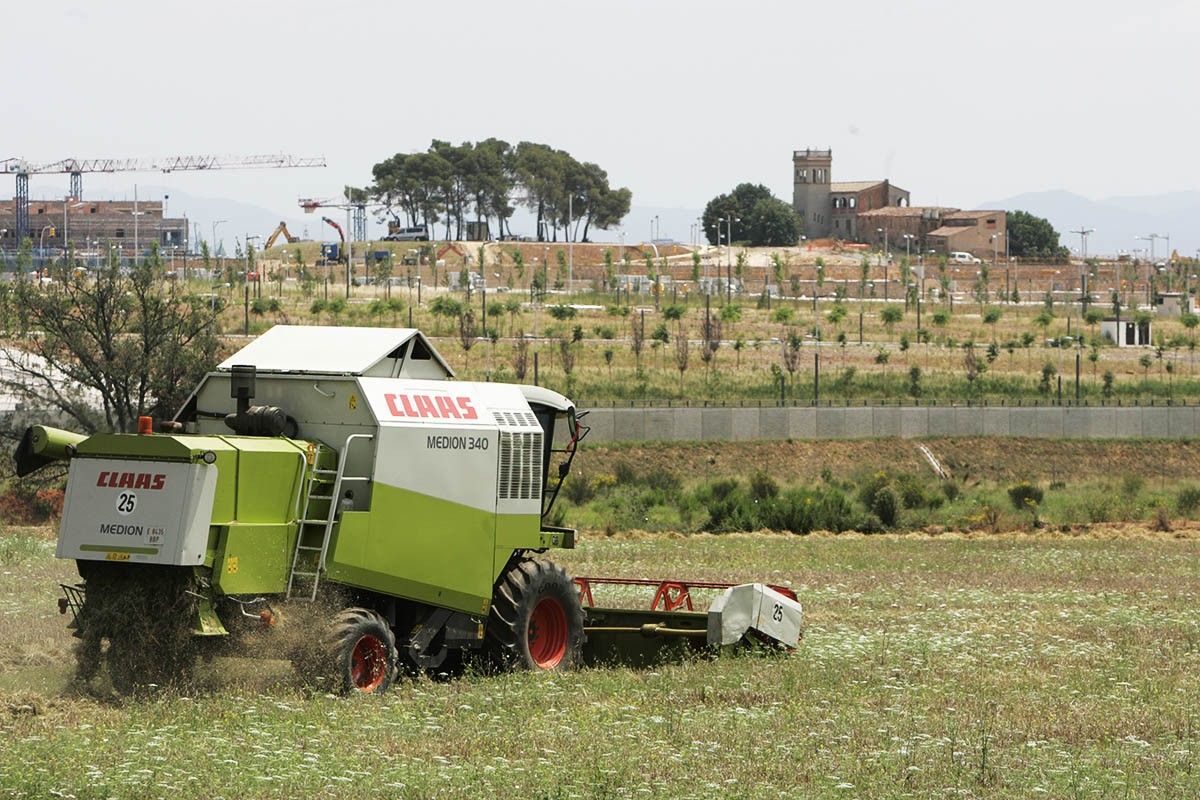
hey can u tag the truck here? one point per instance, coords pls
(340, 483)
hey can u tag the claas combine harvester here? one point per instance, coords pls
(338, 483)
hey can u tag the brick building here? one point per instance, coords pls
(936, 228)
(90, 224)
(980, 233)
(829, 208)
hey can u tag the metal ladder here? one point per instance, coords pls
(308, 560)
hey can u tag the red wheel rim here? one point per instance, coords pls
(368, 663)
(547, 635)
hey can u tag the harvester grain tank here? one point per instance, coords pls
(340, 478)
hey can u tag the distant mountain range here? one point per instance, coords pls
(1117, 221)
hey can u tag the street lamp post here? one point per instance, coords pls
(250, 237)
(884, 261)
(996, 257)
(729, 243)
(221, 266)
(570, 251)
(1150, 237)
(908, 237)
(42, 249)
(1007, 267)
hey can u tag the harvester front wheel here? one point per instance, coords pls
(364, 652)
(536, 621)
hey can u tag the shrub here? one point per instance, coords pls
(870, 486)
(21, 504)
(729, 507)
(1162, 520)
(1099, 508)
(624, 473)
(1025, 496)
(1188, 500)
(603, 482)
(578, 488)
(1131, 486)
(886, 505)
(950, 489)
(912, 492)
(763, 486)
(869, 523)
(806, 510)
(662, 481)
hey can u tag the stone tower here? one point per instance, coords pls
(810, 193)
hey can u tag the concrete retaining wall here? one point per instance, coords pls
(840, 422)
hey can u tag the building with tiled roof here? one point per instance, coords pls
(832, 208)
(879, 213)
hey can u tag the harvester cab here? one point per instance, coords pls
(339, 478)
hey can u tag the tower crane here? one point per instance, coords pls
(357, 206)
(76, 167)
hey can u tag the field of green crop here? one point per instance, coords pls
(1008, 666)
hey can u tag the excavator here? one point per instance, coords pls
(333, 252)
(280, 229)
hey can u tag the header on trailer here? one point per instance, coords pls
(367, 352)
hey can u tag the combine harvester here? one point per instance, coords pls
(337, 484)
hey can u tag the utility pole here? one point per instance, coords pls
(136, 214)
(1150, 265)
(729, 243)
(570, 245)
(1083, 233)
(349, 250)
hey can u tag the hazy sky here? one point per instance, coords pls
(954, 101)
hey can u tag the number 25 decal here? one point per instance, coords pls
(126, 502)
(777, 613)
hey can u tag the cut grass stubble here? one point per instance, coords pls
(993, 667)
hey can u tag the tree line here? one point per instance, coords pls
(452, 184)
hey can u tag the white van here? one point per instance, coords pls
(964, 258)
(418, 234)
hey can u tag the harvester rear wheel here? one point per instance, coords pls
(536, 621)
(364, 652)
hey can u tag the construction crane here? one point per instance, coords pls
(281, 228)
(357, 218)
(76, 167)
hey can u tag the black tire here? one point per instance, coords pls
(536, 620)
(362, 650)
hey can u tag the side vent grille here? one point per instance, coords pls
(520, 466)
(515, 419)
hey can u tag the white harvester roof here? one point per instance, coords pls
(331, 350)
